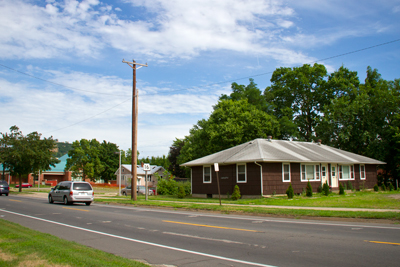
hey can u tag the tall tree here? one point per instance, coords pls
(84, 159)
(27, 154)
(109, 160)
(231, 123)
(298, 96)
(174, 152)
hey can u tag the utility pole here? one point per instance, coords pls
(135, 103)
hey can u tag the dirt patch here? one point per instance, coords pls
(397, 196)
(6, 256)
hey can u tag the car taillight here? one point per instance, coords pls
(93, 193)
(71, 193)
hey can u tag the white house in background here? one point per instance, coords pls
(126, 175)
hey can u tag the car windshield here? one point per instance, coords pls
(81, 186)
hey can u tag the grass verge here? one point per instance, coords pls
(367, 199)
(21, 246)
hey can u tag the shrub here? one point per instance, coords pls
(290, 191)
(383, 187)
(376, 188)
(181, 191)
(391, 187)
(319, 189)
(341, 189)
(326, 188)
(309, 189)
(350, 185)
(167, 186)
(236, 193)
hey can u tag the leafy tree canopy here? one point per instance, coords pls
(25, 154)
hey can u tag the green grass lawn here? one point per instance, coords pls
(21, 246)
(363, 199)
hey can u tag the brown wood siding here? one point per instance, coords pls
(272, 179)
(371, 177)
(227, 179)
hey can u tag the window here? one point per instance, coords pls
(241, 173)
(286, 172)
(362, 172)
(323, 170)
(207, 174)
(310, 172)
(346, 172)
(333, 168)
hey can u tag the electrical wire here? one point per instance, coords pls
(192, 88)
(58, 84)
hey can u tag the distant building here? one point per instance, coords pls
(126, 175)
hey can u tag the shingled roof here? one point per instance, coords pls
(264, 150)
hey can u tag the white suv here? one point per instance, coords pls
(70, 192)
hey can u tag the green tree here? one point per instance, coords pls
(84, 161)
(298, 96)
(174, 152)
(27, 154)
(290, 191)
(231, 123)
(109, 160)
(251, 93)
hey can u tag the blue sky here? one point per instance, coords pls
(194, 50)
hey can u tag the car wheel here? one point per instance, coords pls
(51, 199)
(66, 202)
(1, 194)
(124, 193)
(88, 203)
(29, 187)
(7, 194)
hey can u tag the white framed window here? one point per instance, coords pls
(207, 174)
(285, 172)
(241, 176)
(333, 171)
(346, 172)
(362, 172)
(310, 172)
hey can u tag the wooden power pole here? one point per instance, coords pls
(135, 102)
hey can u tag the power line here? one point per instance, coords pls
(58, 84)
(192, 88)
(89, 117)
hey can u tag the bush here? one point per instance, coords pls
(319, 189)
(383, 187)
(290, 191)
(376, 188)
(236, 193)
(326, 188)
(391, 187)
(341, 189)
(181, 191)
(309, 189)
(167, 186)
(350, 185)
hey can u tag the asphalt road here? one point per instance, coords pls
(183, 238)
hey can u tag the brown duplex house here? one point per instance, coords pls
(266, 167)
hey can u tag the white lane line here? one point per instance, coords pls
(141, 241)
(254, 219)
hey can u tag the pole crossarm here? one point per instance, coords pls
(134, 63)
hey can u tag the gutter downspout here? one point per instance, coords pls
(261, 177)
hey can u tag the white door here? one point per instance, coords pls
(334, 176)
(324, 173)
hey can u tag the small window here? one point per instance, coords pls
(207, 174)
(333, 168)
(317, 173)
(286, 172)
(346, 172)
(362, 172)
(241, 173)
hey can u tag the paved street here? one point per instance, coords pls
(182, 238)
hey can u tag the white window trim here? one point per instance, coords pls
(207, 182)
(237, 172)
(283, 172)
(365, 174)
(315, 173)
(340, 172)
